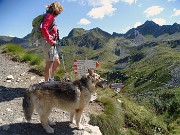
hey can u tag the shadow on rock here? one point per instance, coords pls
(7, 94)
(61, 128)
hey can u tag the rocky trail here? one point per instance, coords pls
(14, 79)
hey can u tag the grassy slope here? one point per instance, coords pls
(19, 54)
(145, 78)
(123, 116)
(143, 81)
(151, 72)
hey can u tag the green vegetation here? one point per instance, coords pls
(146, 105)
(148, 37)
(166, 103)
(76, 32)
(142, 120)
(155, 107)
(147, 80)
(111, 120)
(152, 71)
(123, 116)
(15, 50)
(19, 54)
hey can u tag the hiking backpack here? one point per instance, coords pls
(36, 33)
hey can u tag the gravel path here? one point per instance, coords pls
(12, 121)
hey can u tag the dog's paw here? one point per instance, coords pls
(50, 130)
(51, 123)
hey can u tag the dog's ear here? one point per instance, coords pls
(91, 72)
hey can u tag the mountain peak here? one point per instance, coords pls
(76, 32)
(175, 24)
(97, 28)
(151, 28)
(150, 23)
(100, 31)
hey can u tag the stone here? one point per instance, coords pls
(41, 80)
(93, 97)
(119, 100)
(9, 110)
(1, 121)
(8, 81)
(19, 119)
(91, 130)
(18, 80)
(33, 77)
(9, 77)
(22, 74)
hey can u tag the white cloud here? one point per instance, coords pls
(72, 0)
(100, 12)
(171, 0)
(84, 21)
(81, 2)
(176, 12)
(96, 3)
(154, 10)
(159, 21)
(101, 8)
(137, 24)
(129, 1)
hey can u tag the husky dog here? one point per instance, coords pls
(69, 96)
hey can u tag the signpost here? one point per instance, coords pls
(81, 66)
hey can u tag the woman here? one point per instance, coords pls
(49, 31)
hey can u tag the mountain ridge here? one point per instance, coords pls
(151, 28)
(96, 37)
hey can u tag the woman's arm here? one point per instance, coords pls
(46, 24)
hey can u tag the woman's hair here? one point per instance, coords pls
(55, 8)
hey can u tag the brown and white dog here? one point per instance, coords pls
(69, 96)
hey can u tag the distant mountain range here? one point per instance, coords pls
(96, 38)
(151, 28)
(16, 40)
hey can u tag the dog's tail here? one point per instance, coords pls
(28, 106)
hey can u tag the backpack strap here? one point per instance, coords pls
(52, 26)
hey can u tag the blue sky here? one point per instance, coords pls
(109, 15)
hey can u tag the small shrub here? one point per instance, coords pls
(36, 60)
(167, 102)
(13, 49)
(37, 69)
(16, 50)
(19, 54)
(142, 120)
(111, 121)
(28, 57)
(174, 108)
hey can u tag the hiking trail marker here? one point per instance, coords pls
(81, 66)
